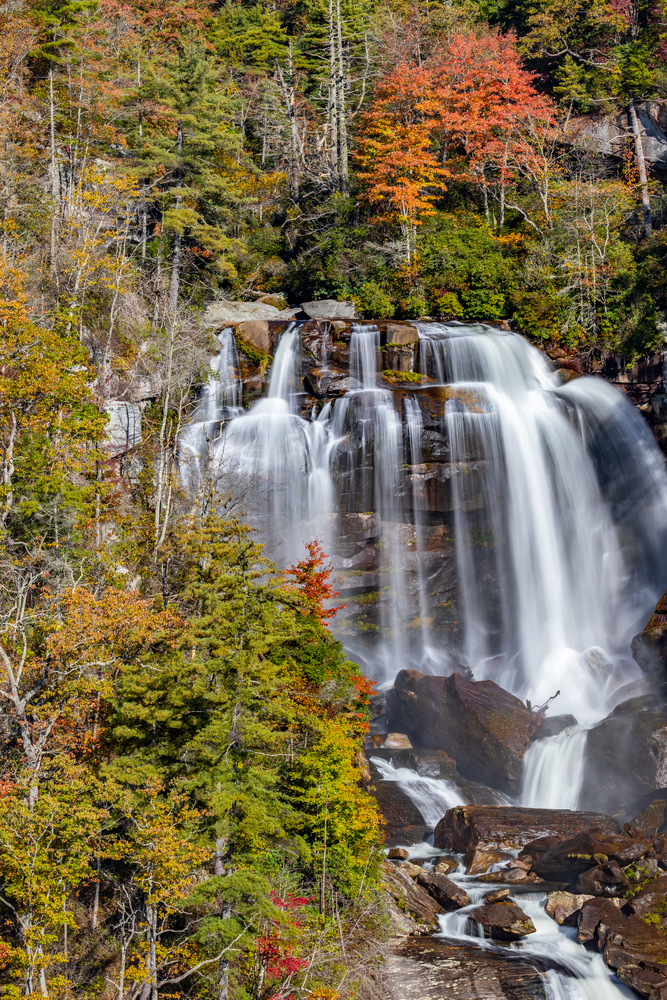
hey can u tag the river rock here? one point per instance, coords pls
(479, 861)
(590, 915)
(552, 725)
(570, 858)
(496, 896)
(398, 852)
(410, 869)
(498, 828)
(503, 921)
(484, 728)
(603, 880)
(534, 849)
(448, 894)
(651, 819)
(403, 822)
(630, 941)
(642, 981)
(563, 907)
(626, 755)
(513, 876)
(411, 898)
(329, 309)
(649, 649)
(443, 866)
(651, 900)
(330, 382)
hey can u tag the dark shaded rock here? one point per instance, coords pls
(484, 728)
(652, 818)
(431, 969)
(323, 382)
(502, 827)
(411, 898)
(427, 763)
(649, 649)
(571, 858)
(448, 894)
(552, 725)
(630, 941)
(443, 865)
(640, 980)
(564, 907)
(623, 757)
(603, 880)
(503, 921)
(640, 871)
(651, 900)
(534, 849)
(590, 915)
(404, 824)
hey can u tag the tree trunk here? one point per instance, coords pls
(290, 107)
(641, 163)
(176, 258)
(340, 100)
(333, 96)
(54, 180)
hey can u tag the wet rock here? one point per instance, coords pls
(651, 900)
(630, 941)
(503, 921)
(512, 875)
(330, 382)
(563, 907)
(484, 728)
(497, 895)
(590, 915)
(603, 880)
(411, 899)
(553, 725)
(329, 309)
(642, 981)
(398, 852)
(534, 849)
(625, 756)
(649, 649)
(479, 861)
(256, 333)
(448, 894)
(652, 818)
(442, 866)
(570, 858)
(403, 822)
(502, 827)
(432, 969)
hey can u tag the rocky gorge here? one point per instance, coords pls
(496, 525)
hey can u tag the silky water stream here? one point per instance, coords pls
(489, 518)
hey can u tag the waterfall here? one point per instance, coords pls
(488, 517)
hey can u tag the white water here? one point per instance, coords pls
(432, 796)
(555, 498)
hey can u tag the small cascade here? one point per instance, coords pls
(432, 796)
(553, 769)
(364, 354)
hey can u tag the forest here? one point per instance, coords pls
(183, 809)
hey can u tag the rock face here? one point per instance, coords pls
(123, 430)
(503, 921)
(404, 824)
(484, 728)
(626, 755)
(256, 333)
(401, 333)
(329, 309)
(597, 852)
(448, 894)
(412, 901)
(502, 827)
(230, 313)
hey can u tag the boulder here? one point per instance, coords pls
(512, 875)
(503, 921)
(123, 430)
(496, 896)
(563, 907)
(642, 871)
(401, 333)
(330, 382)
(626, 755)
(498, 828)
(225, 313)
(651, 819)
(397, 741)
(642, 981)
(443, 866)
(479, 861)
(256, 333)
(329, 309)
(412, 870)
(484, 728)
(534, 849)
(649, 649)
(590, 915)
(651, 900)
(398, 852)
(601, 851)
(630, 941)
(411, 898)
(603, 880)
(448, 894)
(403, 822)
(552, 725)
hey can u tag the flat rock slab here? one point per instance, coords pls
(434, 970)
(501, 827)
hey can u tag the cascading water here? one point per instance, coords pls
(487, 516)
